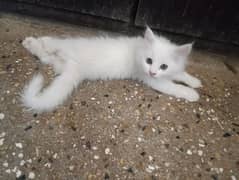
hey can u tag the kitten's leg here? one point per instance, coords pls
(57, 63)
(58, 67)
(46, 54)
(40, 47)
(34, 45)
(177, 90)
(188, 79)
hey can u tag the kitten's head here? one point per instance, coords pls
(159, 57)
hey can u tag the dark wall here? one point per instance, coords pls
(213, 20)
(207, 19)
(114, 9)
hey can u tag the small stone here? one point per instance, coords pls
(200, 152)
(27, 128)
(20, 155)
(14, 101)
(5, 164)
(226, 134)
(150, 158)
(96, 157)
(210, 132)
(106, 176)
(48, 165)
(2, 116)
(140, 139)
(201, 145)
(221, 170)
(8, 171)
(107, 150)
(18, 145)
(233, 177)
(2, 134)
(71, 168)
(31, 175)
(189, 152)
(55, 155)
(143, 153)
(1, 141)
(94, 148)
(130, 170)
(22, 162)
(167, 164)
(150, 168)
(18, 173)
(126, 140)
(29, 160)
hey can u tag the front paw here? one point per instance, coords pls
(191, 95)
(195, 83)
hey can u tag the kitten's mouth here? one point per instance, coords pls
(152, 74)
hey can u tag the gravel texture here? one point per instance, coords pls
(117, 129)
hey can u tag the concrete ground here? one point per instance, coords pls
(117, 129)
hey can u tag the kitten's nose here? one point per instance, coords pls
(152, 73)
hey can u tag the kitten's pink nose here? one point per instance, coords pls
(152, 73)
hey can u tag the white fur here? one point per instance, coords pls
(77, 59)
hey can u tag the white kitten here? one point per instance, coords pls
(151, 59)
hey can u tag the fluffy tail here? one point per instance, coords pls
(51, 96)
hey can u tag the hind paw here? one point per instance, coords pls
(33, 45)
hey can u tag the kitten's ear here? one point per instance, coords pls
(149, 35)
(184, 50)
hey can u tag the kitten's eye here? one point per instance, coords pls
(163, 66)
(149, 61)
